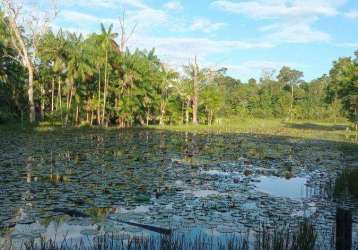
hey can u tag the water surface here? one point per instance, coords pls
(84, 183)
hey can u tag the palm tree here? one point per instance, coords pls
(192, 72)
(168, 79)
(78, 68)
(108, 44)
(53, 50)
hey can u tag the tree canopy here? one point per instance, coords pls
(92, 80)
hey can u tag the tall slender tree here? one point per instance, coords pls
(25, 43)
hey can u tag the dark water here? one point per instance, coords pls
(82, 183)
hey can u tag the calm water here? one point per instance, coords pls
(77, 185)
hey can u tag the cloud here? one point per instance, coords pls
(348, 45)
(289, 21)
(205, 25)
(83, 18)
(174, 5)
(147, 17)
(263, 9)
(353, 14)
(79, 22)
(177, 51)
(109, 4)
(300, 32)
(144, 18)
(248, 69)
(136, 13)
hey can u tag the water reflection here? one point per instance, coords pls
(294, 188)
(84, 184)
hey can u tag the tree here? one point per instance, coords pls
(212, 101)
(24, 32)
(344, 86)
(108, 44)
(290, 77)
(196, 77)
(54, 54)
(168, 78)
(78, 69)
(12, 80)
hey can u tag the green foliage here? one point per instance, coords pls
(343, 86)
(93, 81)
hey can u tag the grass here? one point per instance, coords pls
(341, 132)
(303, 237)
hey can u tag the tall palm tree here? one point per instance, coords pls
(108, 44)
(53, 50)
(78, 68)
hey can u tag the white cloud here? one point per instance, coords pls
(174, 5)
(289, 20)
(147, 17)
(136, 13)
(205, 25)
(300, 32)
(353, 14)
(82, 18)
(177, 51)
(79, 22)
(144, 18)
(348, 45)
(248, 69)
(263, 9)
(110, 4)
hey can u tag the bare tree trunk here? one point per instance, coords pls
(147, 117)
(59, 98)
(19, 44)
(196, 93)
(52, 94)
(105, 88)
(292, 100)
(356, 121)
(187, 111)
(69, 104)
(211, 117)
(42, 102)
(99, 98)
(182, 112)
(13, 10)
(30, 92)
(59, 95)
(162, 113)
(77, 114)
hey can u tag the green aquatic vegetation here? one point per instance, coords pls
(346, 183)
(98, 212)
(183, 180)
(280, 238)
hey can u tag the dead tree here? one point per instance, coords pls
(25, 28)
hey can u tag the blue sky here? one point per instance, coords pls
(245, 36)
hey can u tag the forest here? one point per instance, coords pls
(73, 80)
(107, 146)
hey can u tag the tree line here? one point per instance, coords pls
(95, 80)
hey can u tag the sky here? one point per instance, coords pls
(245, 36)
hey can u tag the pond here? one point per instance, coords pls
(79, 184)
